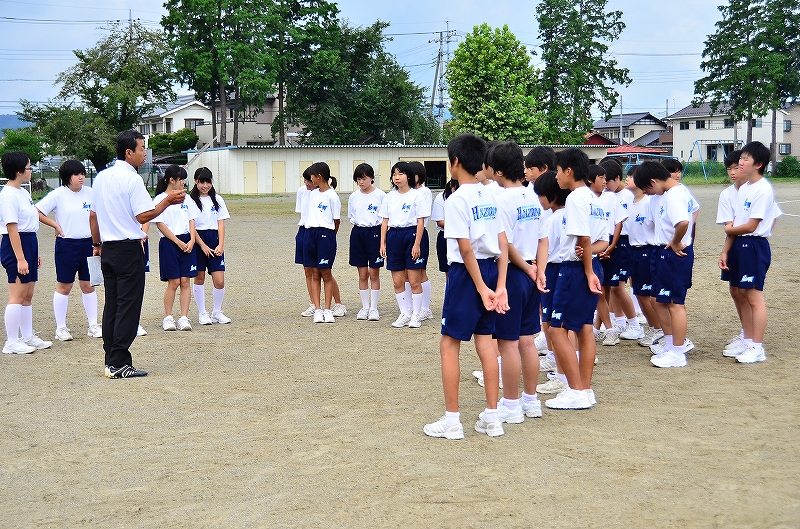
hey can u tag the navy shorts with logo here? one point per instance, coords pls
(173, 262)
(30, 249)
(573, 303)
(463, 313)
(641, 270)
(441, 252)
(612, 267)
(299, 239)
(213, 263)
(319, 248)
(365, 246)
(146, 249)
(625, 259)
(522, 318)
(399, 242)
(70, 256)
(551, 278)
(753, 257)
(673, 277)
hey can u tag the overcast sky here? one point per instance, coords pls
(661, 45)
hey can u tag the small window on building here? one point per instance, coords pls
(757, 123)
(144, 129)
(700, 124)
(684, 125)
(168, 126)
(219, 115)
(729, 123)
(787, 125)
(192, 123)
(785, 148)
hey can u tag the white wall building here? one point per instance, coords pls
(183, 113)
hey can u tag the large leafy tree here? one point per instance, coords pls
(351, 91)
(578, 72)
(123, 77)
(493, 88)
(26, 140)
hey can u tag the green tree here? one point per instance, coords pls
(160, 144)
(493, 89)
(123, 77)
(577, 69)
(184, 139)
(25, 140)
(789, 167)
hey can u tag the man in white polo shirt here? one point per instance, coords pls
(122, 205)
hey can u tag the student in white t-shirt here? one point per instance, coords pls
(210, 243)
(176, 252)
(363, 209)
(72, 203)
(420, 178)
(19, 253)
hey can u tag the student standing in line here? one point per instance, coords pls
(437, 216)
(210, 243)
(421, 177)
(72, 203)
(365, 239)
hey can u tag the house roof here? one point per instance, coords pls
(648, 138)
(626, 119)
(703, 110)
(632, 149)
(179, 103)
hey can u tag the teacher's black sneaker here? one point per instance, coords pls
(124, 372)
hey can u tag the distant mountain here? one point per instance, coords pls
(10, 121)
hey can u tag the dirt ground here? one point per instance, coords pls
(275, 422)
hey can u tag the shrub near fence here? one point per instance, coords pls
(789, 167)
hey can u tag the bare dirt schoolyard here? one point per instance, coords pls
(273, 421)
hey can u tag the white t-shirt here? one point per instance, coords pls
(177, 216)
(363, 208)
(676, 205)
(585, 217)
(555, 228)
(17, 207)
(428, 199)
(208, 218)
(640, 223)
(437, 213)
(614, 211)
(471, 213)
(625, 198)
(403, 209)
(521, 213)
(300, 204)
(72, 210)
(757, 201)
(727, 204)
(494, 187)
(322, 208)
(120, 195)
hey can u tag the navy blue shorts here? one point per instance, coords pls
(673, 277)
(213, 263)
(573, 303)
(463, 313)
(441, 252)
(319, 248)
(641, 272)
(70, 256)
(365, 246)
(551, 278)
(612, 267)
(753, 257)
(30, 249)
(399, 242)
(625, 259)
(299, 240)
(146, 250)
(173, 262)
(522, 318)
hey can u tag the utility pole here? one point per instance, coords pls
(439, 83)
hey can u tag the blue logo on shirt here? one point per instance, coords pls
(484, 212)
(661, 212)
(624, 205)
(322, 206)
(747, 204)
(372, 207)
(406, 207)
(87, 206)
(528, 213)
(596, 212)
(184, 206)
(640, 219)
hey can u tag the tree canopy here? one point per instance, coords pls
(25, 140)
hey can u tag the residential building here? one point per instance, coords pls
(641, 128)
(790, 146)
(255, 126)
(186, 112)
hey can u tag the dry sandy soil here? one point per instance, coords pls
(275, 422)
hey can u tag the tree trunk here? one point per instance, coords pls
(236, 116)
(282, 131)
(773, 148)
(223, 105)
(749, 127)
(213, 119)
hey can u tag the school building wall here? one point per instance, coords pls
(715, 131)
(262, 170)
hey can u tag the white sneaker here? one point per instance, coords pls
(94, 331)
(533, 410)
(414, 322)
(327, 316)
(752, 355)
(590, 396)
(425, 314)
(374, 315)
(338, 310)
(658, 348)
(540, 342)
(554, 385)
(515, 416)
(140, 331)
(633, 332)
(17, 347)
(204, 318)
(545, 365)
(687, 346)
(611, 337)
(492, 429)
(735, 339)
(168, 324)
(599, 336)
(401, 320)
(569, 399)
(63, 334)
(669, 359)
(734, 349)
(641, 318)
(478, 374)
(649, 337)
(219, 317)
(363, 314)
(319, 317)
(309, 312)
(440, 428)
(184, 324)
(38, 343)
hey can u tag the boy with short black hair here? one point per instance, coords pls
(477, 250)
(579, 283)
(747, 253)
(674, 259)
(539, 160)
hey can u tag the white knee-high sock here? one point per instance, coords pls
(26, 322)
(426, 295)
(200, 298)
(409, 300)
(636, 306)
(60, 304)
(374, 295)
(416, 301)
(90, 306)
(218, 295)
(364, 294)
(13, 316)
(401, 301)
